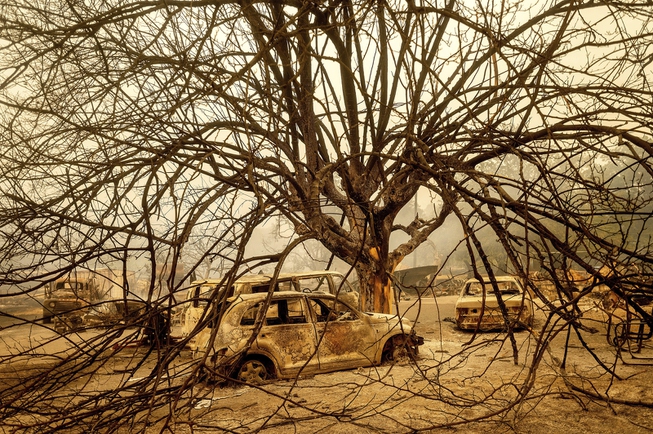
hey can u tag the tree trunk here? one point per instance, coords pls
(376, 293)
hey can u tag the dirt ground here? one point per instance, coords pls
(433, 395)
(460, 382)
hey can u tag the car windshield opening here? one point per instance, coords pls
(475, 289)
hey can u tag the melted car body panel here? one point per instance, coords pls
(287, 335)
(346, 337)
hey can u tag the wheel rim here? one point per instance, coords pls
(400, 353)
(253, 372)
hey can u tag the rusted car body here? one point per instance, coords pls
(297, 333)
(202, 291)
(477, 307)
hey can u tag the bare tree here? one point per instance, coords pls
(128, 129)
(333, 114)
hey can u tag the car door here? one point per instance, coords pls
(345, 339)
(288, 336)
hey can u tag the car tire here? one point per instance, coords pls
(253, 372)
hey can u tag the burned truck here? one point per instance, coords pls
(70, 298)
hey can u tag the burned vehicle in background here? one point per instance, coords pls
(263, 336)
(70, 298)
(628, 303)
(97, 298)
(416, 280)
(66, 300)
(203, 291)
(629, 319)
(477, 307)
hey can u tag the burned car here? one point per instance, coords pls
(629, 318)
(477, 307)
(297, 333)
(321, 281)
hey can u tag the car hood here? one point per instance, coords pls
(381, 316)
(375, 317)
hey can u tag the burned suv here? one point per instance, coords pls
(203, 291)
(282, 334)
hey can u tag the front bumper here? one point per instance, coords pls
(492, 319)
(416, 340)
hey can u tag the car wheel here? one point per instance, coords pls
(253, 372)
(60, 327)
(399, 351)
